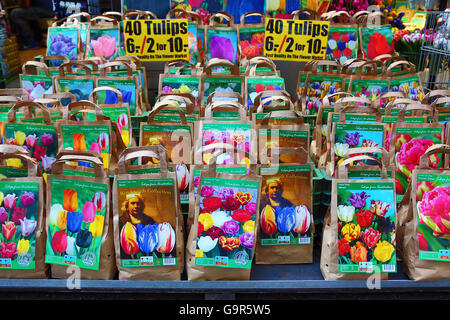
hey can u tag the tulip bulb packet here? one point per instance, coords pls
(251, 40)
(285, 206)
(409, 85)
(376, 41)
(75, 222)
(180, 84)
(222, 43)
(346, 136)
(19, 216)
(39, 140)
(63, 42)
(255, 85)
(408, 143)
(226, 226)
(342, 44)
(103, 43)
(366, 227)
(79, 86)
(128, 88)
(36, 85)
(241, 135)
(281, 136)
(315, 88)
(147, 222)
(369, 88)
(82, 137)
(221, 84)
(430, 203)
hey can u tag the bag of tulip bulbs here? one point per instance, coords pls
(251, 36)
(196, 169)
(409, 141)
(76, 132)
(22, 192)
(423, 215)
(64, 40)
(118, 112)
(103, 38)
(271, 101)
(404, 77)
(79, 220)
(39, 139)
(221, 39)
(174, 132)
(286, 230)
(148, 222)
(221, 241)
(319, 135)
(358, 239)
(272, 136)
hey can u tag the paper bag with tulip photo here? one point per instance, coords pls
(79, 221)
(22, 217)
(149, 237)
(423, 220)
(40, 140)
(286, 230)
(358, 238)
(221, 241)
(103, 38)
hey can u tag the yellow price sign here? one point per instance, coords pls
(296, 40)
(157, 40)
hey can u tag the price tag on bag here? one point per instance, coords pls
(296, 40)
(157, 40)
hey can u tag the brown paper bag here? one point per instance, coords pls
(66, 189)
(24, 229)
(358, 205)
(230, 254)
(286, 231)
(271, 137)
(422, 236)
(149, 243)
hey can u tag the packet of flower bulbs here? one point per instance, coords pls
(180, 83)
(343, 37)
(240, 133)
(185, 101)
(63, 41)
(22, 193)
(346, 136)
(99, 135)
(271, 137)
(76, 19)
(422, 219)
(79, 221)
(268, 101)
(263, 81)
(221, 39)
(358, 241)
(221, 241)
(410, 84)
(275, 118)
(149, 237)
(196, 169)
(119, 112)
(251, 36)
(103, 39)
(286, 229)
(80, 85)
(368, 83)
(319, 134)
(140, 72)
(408, 143)
(126, 83)
(375, 36)
(35, 84)
(232, 81)
(39, 139)
(315, 85)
